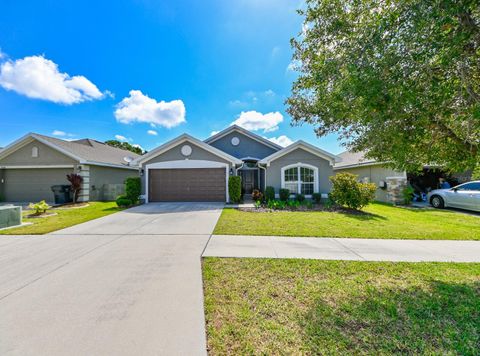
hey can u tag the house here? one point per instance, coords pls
(368, 170)
(188, 169)
(33, 163)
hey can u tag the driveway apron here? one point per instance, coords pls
(129, 283)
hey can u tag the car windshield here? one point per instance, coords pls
(469, 186)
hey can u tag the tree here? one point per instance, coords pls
(398, 79)
(125, 146)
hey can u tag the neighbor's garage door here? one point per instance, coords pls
(33, 185)
(196, 184)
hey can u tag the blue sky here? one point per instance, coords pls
(147, 70)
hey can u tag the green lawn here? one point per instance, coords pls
(264, 307)
(63, 219)
(382, 221)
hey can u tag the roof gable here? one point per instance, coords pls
(241, 130)
(305, 146)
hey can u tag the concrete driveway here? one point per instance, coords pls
(129, 283)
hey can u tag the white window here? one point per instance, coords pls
(35, 151)
(300, 178)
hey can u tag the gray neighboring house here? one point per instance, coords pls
(32, 164)
(188, 169)
(369, 170)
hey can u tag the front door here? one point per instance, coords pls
(248, 181)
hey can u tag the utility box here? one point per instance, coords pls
(10, 216)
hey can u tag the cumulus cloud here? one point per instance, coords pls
(39, 78)
(122, 138)
(282, 140)
(152, 132)
(140, 108)
(254, 121)
(2, 54)
(213, 133)
(62, 133)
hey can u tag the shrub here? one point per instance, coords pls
(258, 204)
(269, 193)
(76, 181)
(276, 204)
(347, 191)
(133, 189)
(123, 201)
(308, 204)
(317, 197)
(408, 193)
(293, 204)
(235, 188)
(300, 197)
(284, 194)
(476, 172)
(257, 195)
(40, 207)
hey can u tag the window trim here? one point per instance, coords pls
(299, 181)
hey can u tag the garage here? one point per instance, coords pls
(190, 184)
(32, 185)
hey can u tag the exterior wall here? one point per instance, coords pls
(374, 174)
(106, 183)
(46, 156)
(325, 170)
(174, 154)
(246, 148)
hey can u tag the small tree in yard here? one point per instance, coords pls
(235, 189)
(348, 192)
(76, 181)
(133, 189)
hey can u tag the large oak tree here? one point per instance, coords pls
(398, 79)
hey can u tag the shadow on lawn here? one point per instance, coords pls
(441, 318)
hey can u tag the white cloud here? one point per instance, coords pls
(269, 92)
(282, 140)
(122, 138)
(138, 146)
(2, 54)
(254, 120)
(152, 132)
(39, 78)
(141, 108)
(62, 133)
(213, 133)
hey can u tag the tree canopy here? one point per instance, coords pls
(398, 79)
(125, 146)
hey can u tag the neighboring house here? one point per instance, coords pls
(188, 169)
(32, 164)
(368, 170)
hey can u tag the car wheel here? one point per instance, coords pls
(437, 202)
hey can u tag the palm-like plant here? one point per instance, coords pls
(76, 184)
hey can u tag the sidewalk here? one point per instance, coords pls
(343, 249)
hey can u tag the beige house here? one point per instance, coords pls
(369, 170)
(32, 164)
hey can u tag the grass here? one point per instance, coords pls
(264, 307)
(382, 221)
(63, 219)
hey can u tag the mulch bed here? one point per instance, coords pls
(45, 215)
(71, 206)
(302, 208)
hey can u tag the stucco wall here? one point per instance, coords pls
(107, 183)
(325, 170)
(46, 156)
(375, 174)
(174, 154)
(246, 148)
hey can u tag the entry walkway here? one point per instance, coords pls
(343, 249)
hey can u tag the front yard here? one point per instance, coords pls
(64, 218)
(258, 306)
(381, 221)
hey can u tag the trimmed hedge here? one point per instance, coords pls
(235, 189)
(284, 194)
(269, 193)
(123, 201)
(317, 197)
(133, 189)
(347, 191)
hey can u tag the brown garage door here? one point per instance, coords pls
(196, 184)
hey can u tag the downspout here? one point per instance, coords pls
(264, 176)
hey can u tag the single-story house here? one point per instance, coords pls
(188, 169)
(33, 163)
(368, 170)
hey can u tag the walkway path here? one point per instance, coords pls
(343, 249)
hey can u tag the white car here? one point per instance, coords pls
(463, 196)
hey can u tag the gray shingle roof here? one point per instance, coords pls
(91, 150)
(353, 158)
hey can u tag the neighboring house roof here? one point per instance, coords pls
(354, 159)
(305, 146)
(182, 138)
(86, 151)
(245, 132)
